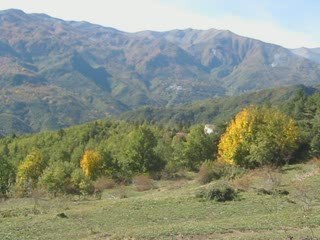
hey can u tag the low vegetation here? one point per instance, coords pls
(172, 210)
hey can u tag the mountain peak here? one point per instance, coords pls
(13, 11)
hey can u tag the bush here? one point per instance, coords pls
(213, 170)
(23, 189)
(219, 193)
(209, 171)
(243, 183)
(103, 183)
(267, 177)
(80, 183)
(263, 191)
(143, 183)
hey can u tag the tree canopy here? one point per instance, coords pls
(258, 136)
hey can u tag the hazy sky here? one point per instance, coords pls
(290, 23)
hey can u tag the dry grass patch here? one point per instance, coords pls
(143, 183)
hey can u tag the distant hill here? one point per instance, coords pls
(56, 73)
(218, 110)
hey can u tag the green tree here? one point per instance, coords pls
(198, 147)
(139, 153)
(315, 146)
(56, 177)
(81, 183)
(177, 161)
(6, 175)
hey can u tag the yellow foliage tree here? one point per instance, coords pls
(91, 163)
(31, 168)
(258, 135)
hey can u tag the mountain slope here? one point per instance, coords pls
(100, 71)
(309, 53)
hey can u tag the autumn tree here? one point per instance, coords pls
(31, 168)
(257, 136)
(91, 163)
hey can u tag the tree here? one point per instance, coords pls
(258, 136)
(31, 168)
(315, 136)
(177, 160)
(6, 175)
(315, 146)
(91, 163)
(198, 147)
(140, 155)
(55, 178)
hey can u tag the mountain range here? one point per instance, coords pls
(56, 73)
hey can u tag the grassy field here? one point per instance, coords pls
(171, 211)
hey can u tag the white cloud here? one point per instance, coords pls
(137, 15)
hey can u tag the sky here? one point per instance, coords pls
(290, 23)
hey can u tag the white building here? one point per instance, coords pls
(209, 129)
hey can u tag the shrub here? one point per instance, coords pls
(268, 178)
(263, 191)
(243, 183)
(213, 170)
(209, 171)
(143, 183)
(86, 187)
(219, 193)
(103, 183)
(81, 183)
(23, 189)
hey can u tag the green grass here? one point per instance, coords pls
(171, 211)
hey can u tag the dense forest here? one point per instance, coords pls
(73, 160)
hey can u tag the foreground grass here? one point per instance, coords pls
(172, 212)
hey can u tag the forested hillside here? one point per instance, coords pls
(219, 110)
(120, 150)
